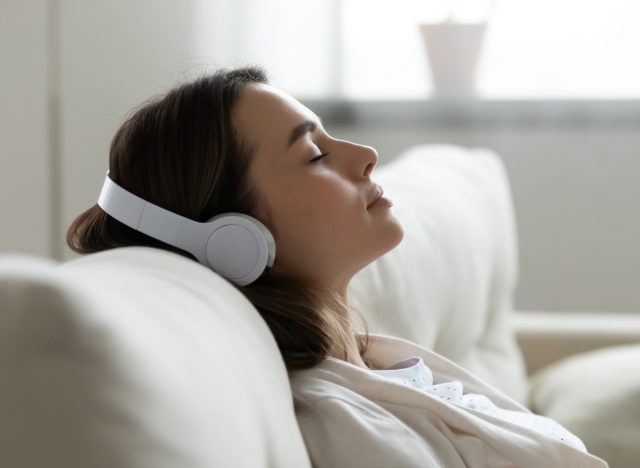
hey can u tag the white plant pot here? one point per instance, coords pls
(453, 50)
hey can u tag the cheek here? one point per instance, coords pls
(310, 212)
(303, 213)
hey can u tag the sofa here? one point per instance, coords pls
(138, 357)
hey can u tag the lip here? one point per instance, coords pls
(379, 192)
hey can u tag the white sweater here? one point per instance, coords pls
(351, 417)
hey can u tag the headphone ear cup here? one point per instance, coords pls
(240, 248)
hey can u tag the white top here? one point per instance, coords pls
(354, 417)
(413, 372)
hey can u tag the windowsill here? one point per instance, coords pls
(477, 111)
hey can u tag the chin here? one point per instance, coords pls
(398, 234)
(393, 237)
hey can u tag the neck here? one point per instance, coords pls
(350, 352)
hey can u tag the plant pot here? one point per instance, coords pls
(453, 50)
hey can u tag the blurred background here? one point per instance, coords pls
(552, 87)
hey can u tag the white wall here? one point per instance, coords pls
(25, 154)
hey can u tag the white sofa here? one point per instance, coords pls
(138, 357)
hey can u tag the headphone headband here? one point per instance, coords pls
(235, 245)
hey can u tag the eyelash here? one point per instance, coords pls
(317, 158)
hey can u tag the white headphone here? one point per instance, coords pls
(235, 245)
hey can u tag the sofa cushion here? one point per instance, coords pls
(449, 284)
(596, 395)
(137, 357)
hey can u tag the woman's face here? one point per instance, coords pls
(316, 209)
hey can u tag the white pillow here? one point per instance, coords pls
(138, 357)
(449, 285)
(596, 395)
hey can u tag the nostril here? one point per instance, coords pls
(368, 169)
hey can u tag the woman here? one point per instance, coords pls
(229, 142)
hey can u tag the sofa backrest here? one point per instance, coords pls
(137, 357)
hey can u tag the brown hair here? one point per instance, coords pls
(181, 152)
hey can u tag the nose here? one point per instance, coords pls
(365, 159)
(372, 160)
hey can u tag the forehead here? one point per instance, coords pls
(265, 116)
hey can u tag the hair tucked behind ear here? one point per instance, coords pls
(181, 152)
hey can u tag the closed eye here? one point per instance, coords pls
(317, 158)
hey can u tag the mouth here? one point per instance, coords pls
(378, 194)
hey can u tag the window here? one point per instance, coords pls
(373, 49)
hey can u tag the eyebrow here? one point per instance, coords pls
(305, 127)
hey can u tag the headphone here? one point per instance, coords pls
(234, 245)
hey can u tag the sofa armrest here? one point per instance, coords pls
(545, 336)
